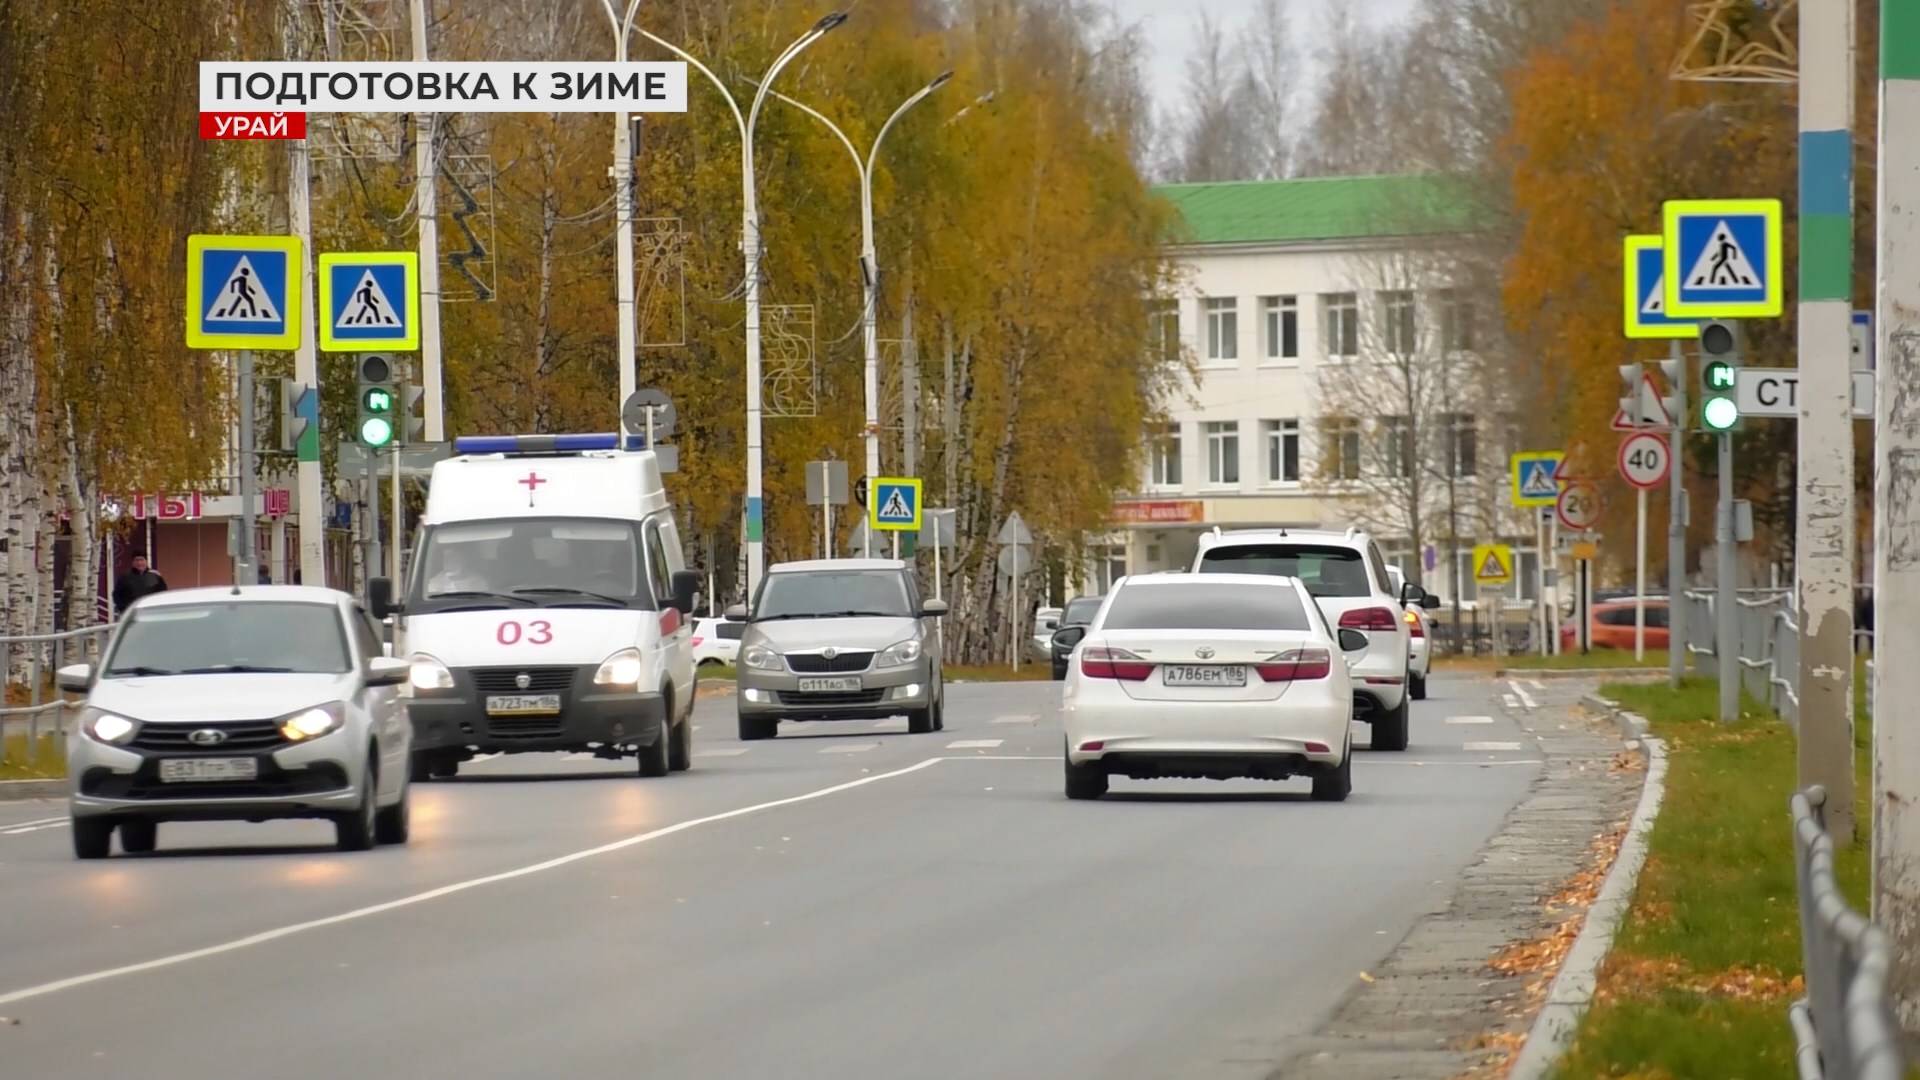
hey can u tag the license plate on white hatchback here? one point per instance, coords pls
(204, 770)
(1229, 675)
(844, 685)
(523, 704)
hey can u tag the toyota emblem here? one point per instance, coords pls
(207, 737)
(1204, 652)
(523, 680)
(829, 652)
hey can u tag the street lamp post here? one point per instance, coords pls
(623, 209)
(870, 265)
(750, 251)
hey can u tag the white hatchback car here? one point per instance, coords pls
(1215, 676)
(1348, 578)
(717, 641)
(230, 704)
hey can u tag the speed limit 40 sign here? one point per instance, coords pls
(1645, 459)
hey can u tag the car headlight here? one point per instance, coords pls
(108, 728)
(899, 654)
(620, 669)
(313, 723)
(429, 674)
(761, 658)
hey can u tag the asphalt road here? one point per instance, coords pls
(848, 901)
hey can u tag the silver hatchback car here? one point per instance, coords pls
(839, 639)
(240, 704)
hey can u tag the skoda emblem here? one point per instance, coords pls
(523, 680)
(207, 737)
(829, 652)
(1204, 652)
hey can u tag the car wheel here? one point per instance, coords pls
(1390, 728)
(394, 824)
(656, 760)
(753, 728)
(940, 708)
(354, 830)
(1335, 786)
(446, 768)
(920, 721)
(1087, 781)
(139, 836)
(680, 751)
(92, 836)
(1417, 686)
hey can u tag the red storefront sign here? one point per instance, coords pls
(277, 502)
(1167, 512)
(182, 507)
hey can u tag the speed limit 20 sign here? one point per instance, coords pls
(1645, 459)
(1578, 507)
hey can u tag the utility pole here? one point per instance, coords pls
(245, 460)
(1824, 543)
(1896, 474)
(308, 496)
(1676, 371)
(426, 202)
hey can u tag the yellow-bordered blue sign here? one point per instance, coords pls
(1535, 477)
(1723, 259)
(894, 505)
(243, 292)
(1644, 298)
(369, 301)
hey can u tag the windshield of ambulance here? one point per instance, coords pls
(530, 562)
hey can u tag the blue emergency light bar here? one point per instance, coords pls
(545, 444)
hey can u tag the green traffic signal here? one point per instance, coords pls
(1719, 413)
(378, 399)
(376, 431)
(1718, 375)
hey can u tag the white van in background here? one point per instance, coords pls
(546, 608)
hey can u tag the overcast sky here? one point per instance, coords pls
(1169, 28)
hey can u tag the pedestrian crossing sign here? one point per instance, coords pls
(369, 301)
(1535, 477)
(243, 292)
(1723, 259)
(1492, 564)
(894, 505)
(1645, 299)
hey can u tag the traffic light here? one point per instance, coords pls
(1720, 361)
(1674, 370)
(1630, 378)
(413, 418)
(377, 396)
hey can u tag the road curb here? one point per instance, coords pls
(1614, 673)
(16, 790)
(1573, 988)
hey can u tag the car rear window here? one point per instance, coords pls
(1325, 571)
(730, 631)
(1205, 607)
(1081, 612)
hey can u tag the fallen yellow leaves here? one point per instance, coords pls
(1640, 977)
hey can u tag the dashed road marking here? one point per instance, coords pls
(850, 748)
(1018, 719)
(1525, 698)
(1537, 685)
(1490, 746)
(1368, 763)
(975, 744)
(27, 827)
(732, 752)
(1510, 701)
(1469, 719)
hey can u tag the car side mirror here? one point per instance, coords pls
(933, 609)
(1430, 602)
(1411, 593)
(74, 678)
(1070, 636)
(686, 591)
(387, 671)
(380, 597)
(1352, 640)
(736, 613)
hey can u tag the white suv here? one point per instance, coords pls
(1345, 573)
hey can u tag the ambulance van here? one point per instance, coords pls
(547, 607)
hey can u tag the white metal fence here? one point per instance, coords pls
(1844, 1028)
(1766, 645)
(30, 661)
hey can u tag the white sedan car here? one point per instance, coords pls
(1209, 676)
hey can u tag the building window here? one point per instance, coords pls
(1463, 444)
(1340, 447)
(1283, 451)
(1456, 320)
(1163, 330)
(1343, 323)
(1397, 318)
(1396, 436)
(1165, 452)
(1282, 326)
(1223, 328)
(1223, 452)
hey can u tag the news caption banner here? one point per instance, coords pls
(270, 99)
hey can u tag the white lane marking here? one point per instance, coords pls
(19, 830)
(850, 748)
(1055, 758)
(734, 752)
(35, 821)
(881, 725)
(1525, 698)
(1018, 719)
(446, 890)
(975, 744)
(1510, 701)
(1469, 719)
(1491, 746)
(1537, 685)
(1453, 764)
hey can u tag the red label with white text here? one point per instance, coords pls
(278, 125)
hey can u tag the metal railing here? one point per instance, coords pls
(1766, 645)
(36, 657)
(1844, 1028)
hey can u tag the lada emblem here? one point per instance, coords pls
(207, 737)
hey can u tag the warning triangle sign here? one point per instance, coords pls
(896, 507)
(1491, 567)
(367, 305)
(1722, 264)
(241, 298)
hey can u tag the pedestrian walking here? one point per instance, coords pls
(142, 580)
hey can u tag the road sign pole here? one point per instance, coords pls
(308, 495)
(243, 573)
(936, 562)
(1676, 526)
(1553, 595)
(394, 519)
(826, 529)
(1725, 647)
(1540, 577)
(1640, 575)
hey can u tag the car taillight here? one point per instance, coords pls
(1413, 625)
(1373, 618)
(697, 641)
(1098, 662)
(1295, 665)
